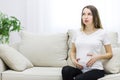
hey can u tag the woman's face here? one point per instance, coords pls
(87, 17)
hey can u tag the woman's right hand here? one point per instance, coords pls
(75, 61)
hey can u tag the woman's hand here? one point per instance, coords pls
(75, 61)
(93, 59)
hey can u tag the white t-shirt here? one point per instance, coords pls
(91, 43)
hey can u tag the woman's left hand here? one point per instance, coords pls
(93, 59)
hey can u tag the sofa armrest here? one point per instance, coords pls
(3, 67)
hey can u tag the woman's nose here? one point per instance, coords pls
(86, 16)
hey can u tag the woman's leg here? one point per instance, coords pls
(68, 72)
(91, 75)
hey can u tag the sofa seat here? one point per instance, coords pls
(35, 73)
(111, 77)
(44, 73)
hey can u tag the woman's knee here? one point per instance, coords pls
(65, 69)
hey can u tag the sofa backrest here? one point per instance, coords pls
(45, 49)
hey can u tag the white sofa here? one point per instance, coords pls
(43, 57)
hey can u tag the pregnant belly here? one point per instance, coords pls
(83, 61)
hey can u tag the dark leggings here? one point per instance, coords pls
(71, 73)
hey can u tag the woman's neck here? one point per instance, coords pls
(89, 29)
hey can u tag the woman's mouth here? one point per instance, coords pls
(86, 20)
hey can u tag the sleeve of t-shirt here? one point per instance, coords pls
(74, 38)
(106, 39)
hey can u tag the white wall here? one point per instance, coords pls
(15, 8)
(61, 15)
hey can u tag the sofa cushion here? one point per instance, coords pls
(35, 73)
(113, 36)
(44, 49)
(14, 59)
(113, 65)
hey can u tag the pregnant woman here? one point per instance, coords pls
(86, 48)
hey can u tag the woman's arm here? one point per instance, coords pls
(73, 57)
(73, 52)
(95, 57)
(108, 54)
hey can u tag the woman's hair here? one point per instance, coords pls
(95, 14)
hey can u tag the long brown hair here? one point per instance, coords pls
(96, 18)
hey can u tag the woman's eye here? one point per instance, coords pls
(83, 14)
(89, 14)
